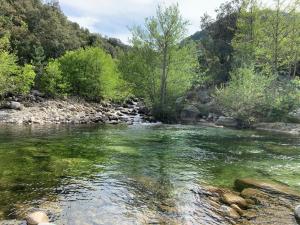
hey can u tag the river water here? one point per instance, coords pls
(141, 174)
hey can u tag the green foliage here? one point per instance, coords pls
(52, 82)
(13, 78)
(25, 80)
(268, 37)
(283, 98)
(250, 96)
(157, 67)
(89, 73)
(214, 46)
(32, 22)
(244, 97)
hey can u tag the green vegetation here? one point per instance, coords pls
(268, 40)
(89, 73)
(14, 79)
(251, 96)
(164, 68)
(249, 53)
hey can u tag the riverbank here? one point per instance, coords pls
(199, 106)
(38, 110)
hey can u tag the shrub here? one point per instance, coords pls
(250, 96)
(91, 73)
(52, 82)
(13, 78)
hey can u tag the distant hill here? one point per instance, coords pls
(198, 36)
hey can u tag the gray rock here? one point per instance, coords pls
(203, 96)
(190, 113)
(15, 106)
(294, 116)
(297, 213)
(37, 93)
(227, 122)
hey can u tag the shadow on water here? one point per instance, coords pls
(136, 174)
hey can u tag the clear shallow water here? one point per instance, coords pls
(136, 174)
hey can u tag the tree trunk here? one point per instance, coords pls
(164, 79)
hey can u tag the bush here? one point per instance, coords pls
(250, 96)
(52, 82)
(14, 79)
(91, 73)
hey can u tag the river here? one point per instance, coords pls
(136, 174)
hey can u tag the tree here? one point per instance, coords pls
(247, 35)
(160, 38)
(268, 37)
(294, 37)
(214, 46)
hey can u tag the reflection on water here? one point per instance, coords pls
(133, 175)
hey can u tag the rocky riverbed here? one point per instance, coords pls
(251, 202)
(71, 111)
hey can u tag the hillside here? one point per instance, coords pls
(39, 31)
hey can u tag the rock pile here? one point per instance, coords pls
(257, 203)
(73, 112)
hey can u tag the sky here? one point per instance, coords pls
(112, 18)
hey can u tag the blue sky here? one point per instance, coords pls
(113, 17)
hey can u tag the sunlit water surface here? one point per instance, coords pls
(133, 175)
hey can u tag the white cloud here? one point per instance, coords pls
(113, 17)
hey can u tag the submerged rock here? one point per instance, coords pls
(284, 128)
(37, 218)
(227, 122)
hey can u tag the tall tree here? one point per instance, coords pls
(215, 49)
(159, 41)
(163, 33)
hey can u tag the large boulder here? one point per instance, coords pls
(37, 218)
(294, 116)
(268, 186)
(190, 113)
(227, 122)
(203, 96)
